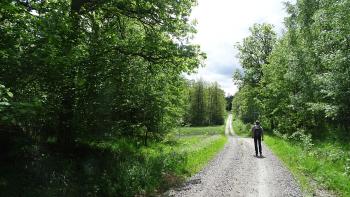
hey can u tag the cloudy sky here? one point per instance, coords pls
(221, 24)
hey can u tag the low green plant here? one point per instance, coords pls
(304, 139)
(240, 128)
(324, 163)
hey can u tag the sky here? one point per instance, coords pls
(223, 23)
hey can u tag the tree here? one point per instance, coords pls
(199, 104)
(216, 104)
(96, 68)
(253, 54)
(304, 82)
(207, 104)
(229, 102)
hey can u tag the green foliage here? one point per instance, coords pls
(325, 162)
(111, 68)
(198, 104)
(207, 104)
(5, 96)
(253, 55)
(254, 52)
(240, 128)
(129, 170)
(200, 144)
(229, 103)
(304, 139)
(300, 92)
(202, 154)
(302, 83)
(83, 84)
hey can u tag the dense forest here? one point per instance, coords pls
(84, 85)
(298, 82)
(206, 104)
(74, 69)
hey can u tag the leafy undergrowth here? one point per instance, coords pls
(109, 167)
(315, 164)
(326, 163)
(240, 128)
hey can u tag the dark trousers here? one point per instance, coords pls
(257, 141)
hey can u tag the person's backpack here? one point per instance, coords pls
(257, 131)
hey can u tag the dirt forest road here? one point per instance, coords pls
(235, 171)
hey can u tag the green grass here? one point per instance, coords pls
(210, 130)
(184, 152)
(201, 151)
(200, 144)
(324, 165)
(113, 167)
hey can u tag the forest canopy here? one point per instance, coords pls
(77, 69)
(300, 81)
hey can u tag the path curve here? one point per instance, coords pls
(235, 171)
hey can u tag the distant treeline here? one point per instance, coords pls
(206, 104)
(299, 82)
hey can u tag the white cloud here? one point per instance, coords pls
(221, 24)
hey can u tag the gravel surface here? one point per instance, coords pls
(235, 171)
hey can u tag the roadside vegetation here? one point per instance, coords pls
(323, 165)
(200, 144)
(209, 130)
(316, 164)
(112, 167)
(240, 128)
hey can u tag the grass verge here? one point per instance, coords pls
(185, 152)
(201, 152)
(323, 165)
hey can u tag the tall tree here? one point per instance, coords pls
(304, 83)
(207, 104)
(199, 104)
(96, 68)
(253, 53)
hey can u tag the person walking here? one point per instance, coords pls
(258, 135)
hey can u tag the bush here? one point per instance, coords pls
(304, 139)
(240, 128)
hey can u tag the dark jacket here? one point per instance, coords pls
(257, 131)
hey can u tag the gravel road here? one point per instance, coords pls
(235, 171)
